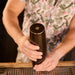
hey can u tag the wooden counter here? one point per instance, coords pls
(63, 68)
(19, 65)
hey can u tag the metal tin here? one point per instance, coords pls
(38, 37)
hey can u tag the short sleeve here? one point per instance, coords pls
(24, 1)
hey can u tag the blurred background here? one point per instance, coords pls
(8, 48)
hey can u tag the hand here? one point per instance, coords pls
(49, 63)
(29, 49)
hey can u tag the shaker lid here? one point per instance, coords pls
(37, 28)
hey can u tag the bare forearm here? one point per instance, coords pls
(66, 45)
(12, 26)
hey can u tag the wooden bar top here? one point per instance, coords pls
(26, 65)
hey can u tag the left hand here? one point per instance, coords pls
(49, 63)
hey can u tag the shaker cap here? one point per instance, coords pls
(37, 28)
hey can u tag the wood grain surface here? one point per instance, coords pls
(23, 65)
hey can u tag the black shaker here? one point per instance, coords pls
(38, 37)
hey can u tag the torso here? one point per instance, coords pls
(55, 16)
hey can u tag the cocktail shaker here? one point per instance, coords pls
(38, 37)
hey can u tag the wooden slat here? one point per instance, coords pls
(66, 63)
(73, 70)
(15, 65)
(23, 65)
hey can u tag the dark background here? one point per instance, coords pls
(8, 48)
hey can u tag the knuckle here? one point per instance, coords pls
(34, 56)
(30, 47)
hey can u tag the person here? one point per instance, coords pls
(58, 18)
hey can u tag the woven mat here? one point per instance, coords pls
(29, 71)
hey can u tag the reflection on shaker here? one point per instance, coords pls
(38, 37)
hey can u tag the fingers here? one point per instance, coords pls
(44, 63)
(31, 52)
(43, 66)
(31, 46)
(26, 54)
(33, 55)
(29, 49)
(50, 67)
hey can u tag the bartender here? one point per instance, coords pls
(58, 18)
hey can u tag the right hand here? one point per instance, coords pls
(29, 49)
